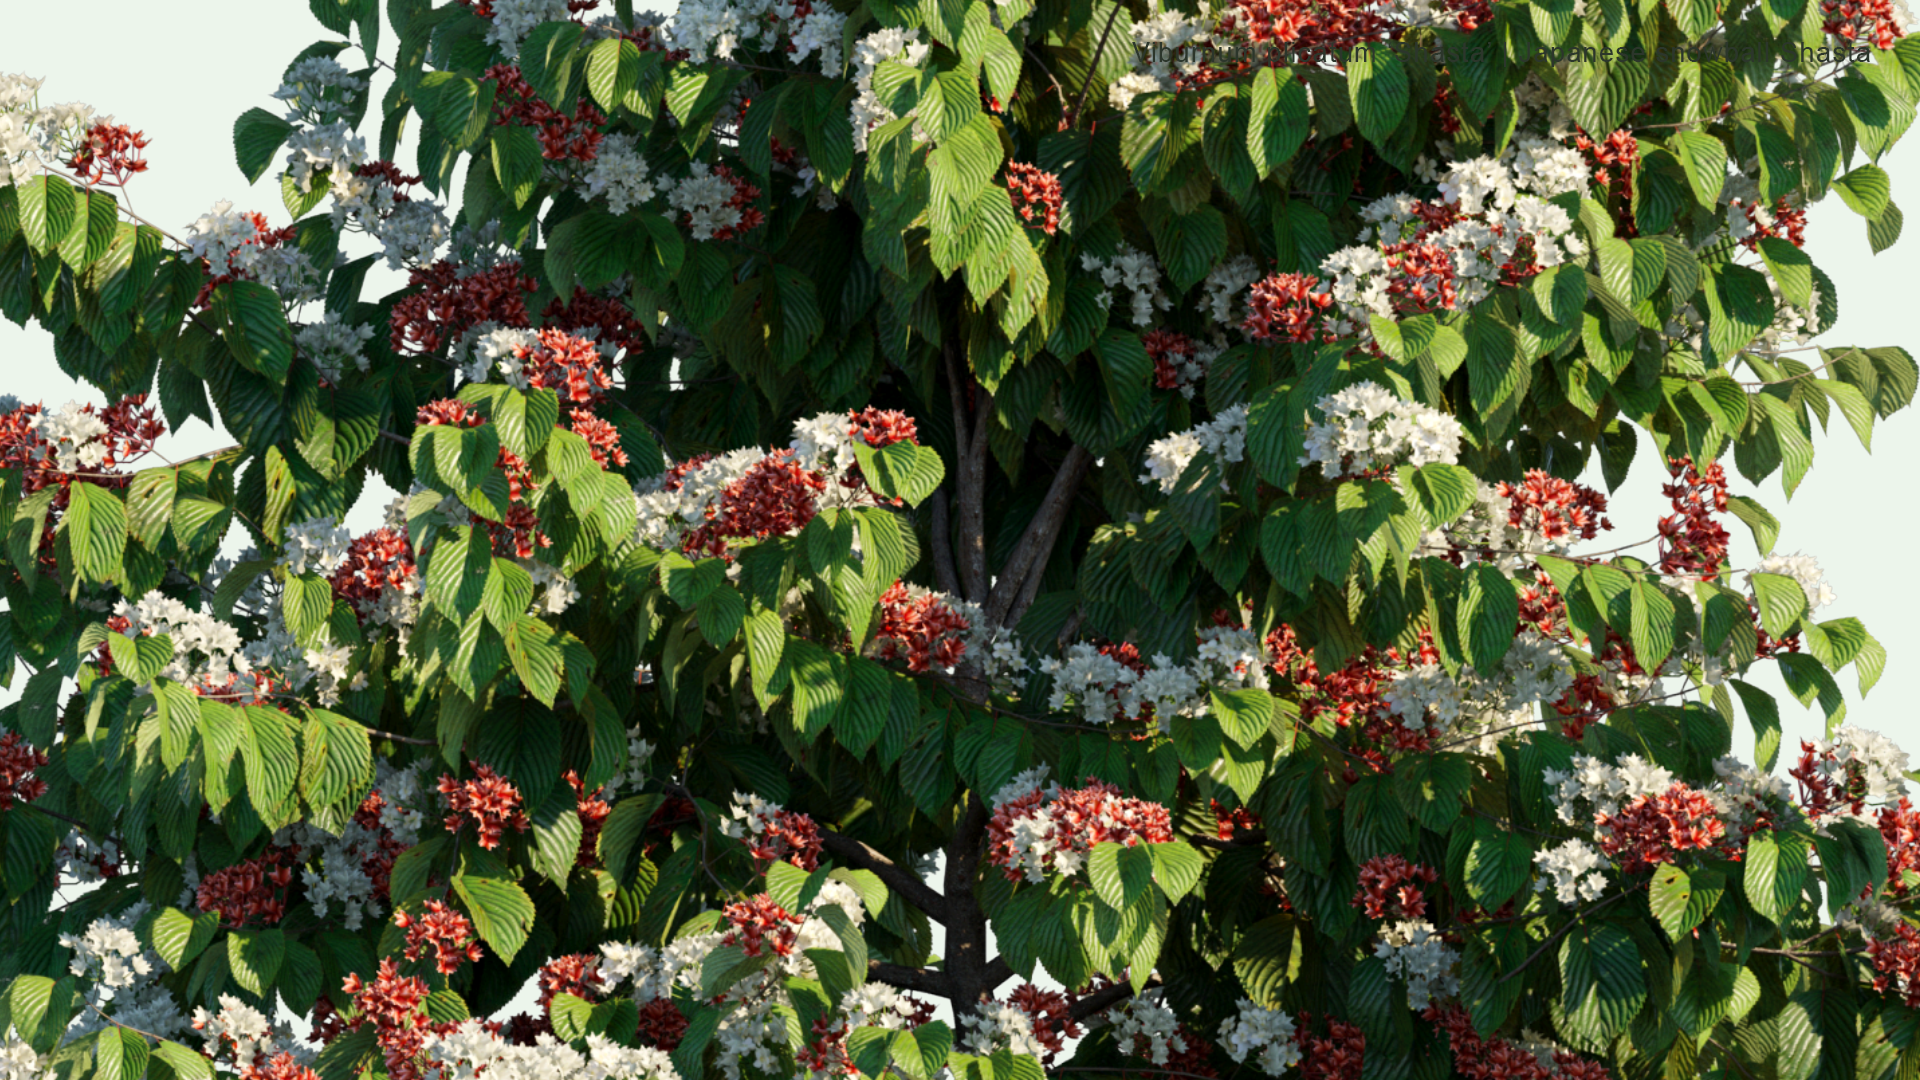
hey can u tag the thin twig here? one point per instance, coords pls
(1093, 65)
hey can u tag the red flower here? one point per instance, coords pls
(1169, 350)
(281, 1067)
(1497, 1059)
(449, 305)
(1053, 1023)
(562, 137)
(760, 924)
(1036, 194)
(661, 1024)
(1896, 963)
(592, 811)
(489, 799)
(18, 760)
(774, 498)
(1855, 20)
(1553, 507)
(446, 931)
(1691, 542)
(376, 561)
(1338, 1055)
(570, 365)
(577, 974)
(254, 889)
(392, 1003)
(923, 630)
(1655, 829)
(109, 150)
(1283, 307)
(615, 321)
(1389, 886)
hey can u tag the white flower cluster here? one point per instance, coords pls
(1224, 285)
(1161, 39)
(238, 1027)
(335, 875)
(1576, 869)
(470, 1051)
(1144, 1027)
(665, 517)
(513, 20)
(996, 1025)
(32, 139)
(316, 546)
(1365, 427)
(895, 44)
(333, 346)
(1267, 1035)
(412, 232)
(1804, 569)
(619, 172)
(229, 241)
(18, 1060)
(1225, 437)
(109, 953)
(1534, 671)
(1595, 789)
(76, 439)
(1856, 759)
(703, 197)
(819, 33)
(1132, 270)
(557, 591)
(1088, 679)
(206, 650)
(318, 90)
(325, 153)
(1413, 951)
(1486, 532)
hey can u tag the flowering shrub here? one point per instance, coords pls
(819, 426)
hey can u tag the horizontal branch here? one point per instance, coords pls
(919, 980)
(1106, 998)
(902, 881)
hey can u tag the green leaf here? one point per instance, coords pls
(1782, 602)
(96, 527)
(501, 911)
(1866, 191)
(1489, 616)
(1244, 714)
(1176, 867)
(1280, 120)
(120, 1054)
(901, 471)
(534, 648)
(1377, 83)
(1603, 983)
(255, 328)
(546, 59)
(257, 138)
(254, 957)
(1704, 159)
(178, 937)
(49, 207)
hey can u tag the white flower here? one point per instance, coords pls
(329, 152)
(513, 20)
(1805, 570)
(1414, 952)
(1576, 869)
(317, 546)
(76, 437)
(896, 44)
(997, 1025)
(703, 197)
(1268, 1033)
(1225, 437)
(332, 346)
(319, 90)
(1136, 272)
(620, 173)
(1145, 1027)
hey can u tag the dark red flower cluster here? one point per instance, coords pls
(1896, 964)
(592, 811)
(783, 836)
(109, 155)
(389, 174)
(1390, 887)
(562, 137)
(1583, 704)
(1423, 277)
(1036, 194)
(571, 366)
(1554, 508)
(923, 630)
(1355, 693)
(1283, 307)
(1078, 819)
(1470, 14)
(394, 1004)
(741, 200)
(774, 498)
(449, 305)
(1053, 1023)
(1655, 829)
(614, 320)
(440, 928)
(1227, 822)
(1870, 20)
(1307, 26)
(1819, 795)
(132, 431)
(826, 1055)
(281, 1066)
(1168, 349)
(489, 799)
(1337, 1055)
(1789, 221)
(376, 561)
(1497, 1059)
(250, 890)
(18, 760)
(760, 924)
(377, 863)
(1691, 541)
(661, 1024)
(577, 974)
(1900, 831)
(882, 427)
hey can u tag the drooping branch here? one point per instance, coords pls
(1020, 577)
(904, 883)
(970, 479)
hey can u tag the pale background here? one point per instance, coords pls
(149, 66)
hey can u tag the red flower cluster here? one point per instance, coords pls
(1497, 1059)
(1424, 278)
(1900, 831)
(1227, 822)
(562, 137)
(569, 365)
(882, 427)
(1614, 159)
(1691, 542)
(132, 431)
(1583, 704)
(1284, 306)
(661, 1024)
(1788, 221)
(1338, 1055)
(826, 1055)
(1654, 829)
(1053, 1023)
(774, 498)
(1872, 20)
(446, 931)
(1819, 795)
(109, 150)
(1355, 693)
(1553, 507)
(922, 629)
(18, 760)
(614, 320)
(1078, 818)
(1308, 26)
(449, 305)
(389, 174)
(577, 974)
(742, 200)
(1168, 349)
(1389, 886)
(282, 1066)
(1471, 14)
(760, 924)
(254, 889)
(1036, 194)
(376, 561)
(393, 1004)
(489, 799)
(592, 811)
(783, 836)
(377, 864)
(1896, 964)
